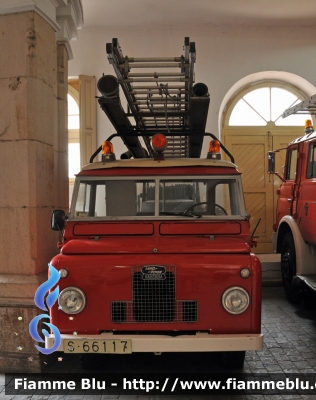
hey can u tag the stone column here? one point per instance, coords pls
(33, 162)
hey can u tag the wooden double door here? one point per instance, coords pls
(250, 146)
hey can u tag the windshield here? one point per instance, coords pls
(189, 197)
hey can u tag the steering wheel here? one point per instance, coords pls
(191, 208)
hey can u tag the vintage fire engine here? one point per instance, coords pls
(156, 251)
(294, 233)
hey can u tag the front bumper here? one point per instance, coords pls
(200, 342)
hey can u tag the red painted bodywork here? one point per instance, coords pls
(297, 196)
(207, 255)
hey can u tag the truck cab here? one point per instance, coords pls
(156, 257)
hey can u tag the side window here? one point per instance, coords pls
(311, 167)
(291, 164)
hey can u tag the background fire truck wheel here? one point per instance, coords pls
(232, 359)
(288, 267)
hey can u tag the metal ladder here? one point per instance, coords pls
(307, 106)
(158, 95)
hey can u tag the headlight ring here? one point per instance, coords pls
(72, 300)
(235, 300)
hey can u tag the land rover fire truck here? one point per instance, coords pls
(156, 250)
(294, 233)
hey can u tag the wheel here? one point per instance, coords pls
(91, 362)
(232, 359)
(288, 267)
(191, 208)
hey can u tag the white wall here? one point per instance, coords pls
(224, 56)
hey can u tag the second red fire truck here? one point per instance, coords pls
(294, 231)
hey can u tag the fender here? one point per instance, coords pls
(305, 253)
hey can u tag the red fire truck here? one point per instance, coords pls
(294, 233)
(156, 250)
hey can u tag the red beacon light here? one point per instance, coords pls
(159, 144)
(214, 150)
(108, 152)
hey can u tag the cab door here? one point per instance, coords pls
(288, 187)
(306, 199)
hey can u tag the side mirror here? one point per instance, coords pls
(58, 220)
(271, 162)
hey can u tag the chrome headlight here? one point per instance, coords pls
(235, 300)
(72, 300)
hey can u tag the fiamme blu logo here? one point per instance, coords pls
(41, 297)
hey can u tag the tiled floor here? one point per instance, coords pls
(289, 347)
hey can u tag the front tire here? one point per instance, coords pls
(232, 359)
(288, 267)
(92, 362)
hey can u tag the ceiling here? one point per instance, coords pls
(212, 13)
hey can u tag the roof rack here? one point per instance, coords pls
(160, 97)
(205, 134)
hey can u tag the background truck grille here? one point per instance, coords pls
(154, 300)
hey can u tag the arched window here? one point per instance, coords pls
(258, 107)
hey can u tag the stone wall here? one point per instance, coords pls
(34, 174)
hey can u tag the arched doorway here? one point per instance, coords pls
(253, 125)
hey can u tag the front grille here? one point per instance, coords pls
(154, 298)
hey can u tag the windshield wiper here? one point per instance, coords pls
(180, 214)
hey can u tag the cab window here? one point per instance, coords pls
(103, 198)
(291, 164)
(206, 197)
(311, 166)
(196, 197)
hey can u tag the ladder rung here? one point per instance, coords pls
(159, 101)
(155, 74)
(178, 140)
(155, 65)
(157, 87)
(153, 125)
(153, 59)
(174, 154)
(174, 130)
(162, 123)
(173, 127)
(156, 90)
(160, 114)
(178, 148)
(162, 109)
(155, 80)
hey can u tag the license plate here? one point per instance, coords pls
(102, 346)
